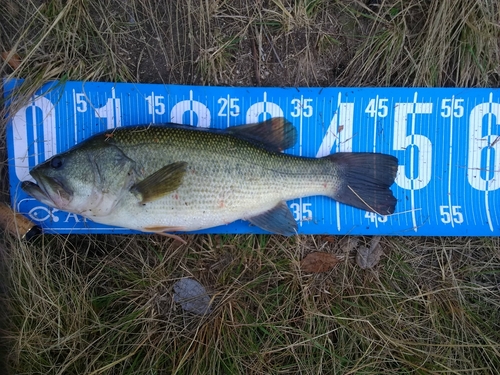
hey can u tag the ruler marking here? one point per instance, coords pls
(321, 119)
(339, 98)
(488, 162)
(75, 121)
(264, 106)
(450, 161)
(228, 111)
(191, 113)
(463, 188)
(136, 102)
(113, 111)
(412, 159)
(475, 212)
(152, 106)
(375, 119)
(301, 119)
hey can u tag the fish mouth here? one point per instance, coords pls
(47, 190)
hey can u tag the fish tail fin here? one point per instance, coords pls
(365, 180)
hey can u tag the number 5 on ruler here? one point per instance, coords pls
(420, 174)
(402, 140)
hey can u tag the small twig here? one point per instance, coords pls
(275, 53)
(362, 200)
(139, 59)
(256, 61)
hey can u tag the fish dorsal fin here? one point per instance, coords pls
(277, 220)
(276, 134)
(163, 181)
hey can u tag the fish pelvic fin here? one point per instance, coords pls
(365, 180)
(276, 134)
(162, 182)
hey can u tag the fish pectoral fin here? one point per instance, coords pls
(162, 182)
(276, 134)
(277, 220)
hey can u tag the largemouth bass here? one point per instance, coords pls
(173, 178)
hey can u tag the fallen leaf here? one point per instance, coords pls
(318, 262)
(348, 244)
(192, 296)
(14, 60)
(369, 257)
(330, 239)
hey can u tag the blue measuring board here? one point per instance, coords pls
(447, 141)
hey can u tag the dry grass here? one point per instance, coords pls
(103, 304)
(439, 43)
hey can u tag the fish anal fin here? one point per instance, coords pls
(160, 183)
(277, 220)
(276, 134)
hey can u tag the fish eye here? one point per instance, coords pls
(56, 162)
